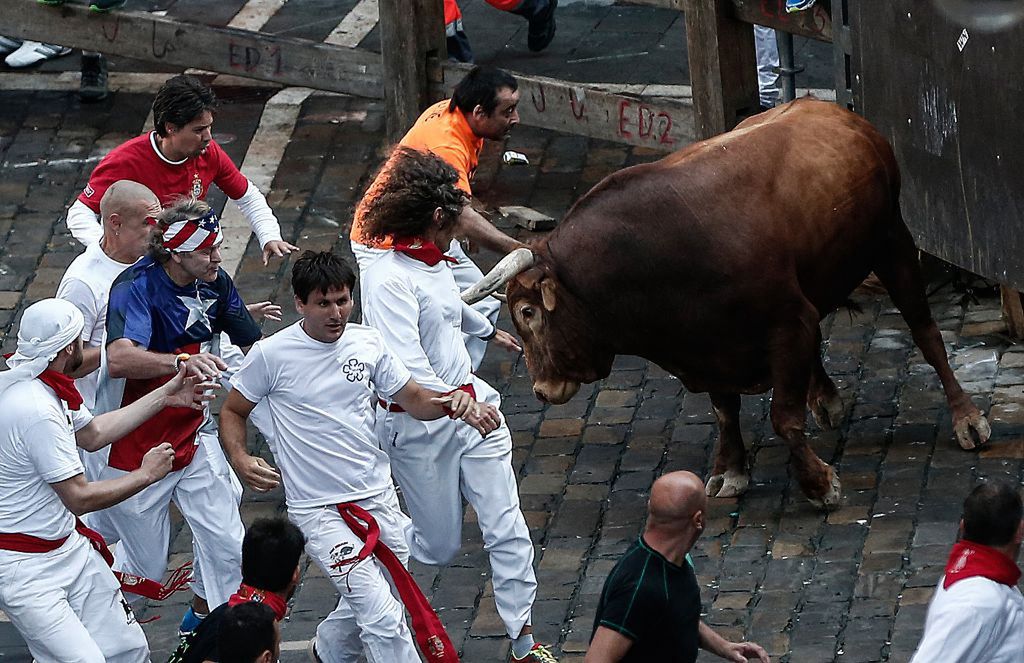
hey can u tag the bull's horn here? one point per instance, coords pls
(506, 269)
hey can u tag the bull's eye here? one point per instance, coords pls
(526, 312)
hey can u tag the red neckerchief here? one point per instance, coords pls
(247, 594)
(63, 386)
(427, 629)
(418, 249)
(969, 559)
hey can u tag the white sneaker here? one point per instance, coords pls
(33, 52)
(9, 45)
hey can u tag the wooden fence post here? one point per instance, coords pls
(723, 68)
(411, 31)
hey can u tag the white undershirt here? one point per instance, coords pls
(418, 311)
(86, 284)
(319, 401)
(37, 448)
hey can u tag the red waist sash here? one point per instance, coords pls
(151, 589)
(431, 638)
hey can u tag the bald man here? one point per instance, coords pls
(127, 210)
(650, 605)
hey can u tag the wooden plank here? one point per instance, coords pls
(411, 31)
(583, 110)
(814, 23)
(151, 38)
(723, 69)
(1013, 312)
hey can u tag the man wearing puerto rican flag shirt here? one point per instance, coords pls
(977, 613)
(164, 311)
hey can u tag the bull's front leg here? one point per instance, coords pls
(793, 358)
(730, 476)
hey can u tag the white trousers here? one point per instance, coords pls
(466, 274)
(207, 493)
(68, 606)
(437, 463)
(767, 50)
(369, 618)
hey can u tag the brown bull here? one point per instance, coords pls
(717, 263)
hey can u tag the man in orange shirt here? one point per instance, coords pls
(483, 106)
(539, 13)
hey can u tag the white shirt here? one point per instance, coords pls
(320, 400)
(418, 310)
(37, 448)
(976, 620)
(86, 284)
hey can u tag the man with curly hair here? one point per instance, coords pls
(412, 298)
(483, 106)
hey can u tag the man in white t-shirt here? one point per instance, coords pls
(411, 297)
(977, 613)
(54, 586)
(319, 381)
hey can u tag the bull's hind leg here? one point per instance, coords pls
(794, 356)
(822, 397)
(729, 478)
(899, 271)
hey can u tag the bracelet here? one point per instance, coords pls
(181, 359)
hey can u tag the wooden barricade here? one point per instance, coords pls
(223, 50)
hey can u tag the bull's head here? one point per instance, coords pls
(559, 352)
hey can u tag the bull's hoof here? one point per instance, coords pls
(972, 431)
(830, 500)
(730, 484)
(827, 411)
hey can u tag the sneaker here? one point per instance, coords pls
(103, 6)
(793, 6)
(538, 654)
(311, 650)
(94, 78)
(9, 45)
(542, 28)
(189, 622)
(33, 52)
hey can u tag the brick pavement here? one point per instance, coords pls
(849, 586)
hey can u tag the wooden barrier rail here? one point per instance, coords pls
(152, 38)
(586, 110)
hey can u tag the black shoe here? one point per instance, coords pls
(94, 78)
(542, 28)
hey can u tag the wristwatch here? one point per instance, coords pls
(181, 359)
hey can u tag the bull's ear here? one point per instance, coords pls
(528, 278)
(547, 293)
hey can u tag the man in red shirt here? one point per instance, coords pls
(483, 106)
(178, 158)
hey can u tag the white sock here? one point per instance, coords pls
(522, 645)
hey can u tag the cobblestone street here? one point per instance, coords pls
(850, 586)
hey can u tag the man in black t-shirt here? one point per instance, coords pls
(270, 572)
(650, 605)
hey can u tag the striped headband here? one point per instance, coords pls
(193, 234)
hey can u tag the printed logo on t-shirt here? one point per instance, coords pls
(197, 186)
(89, 191)
(354, 370)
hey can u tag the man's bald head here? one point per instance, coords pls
(127, 198)
(675, 498)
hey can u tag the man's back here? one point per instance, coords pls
(975, 620)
